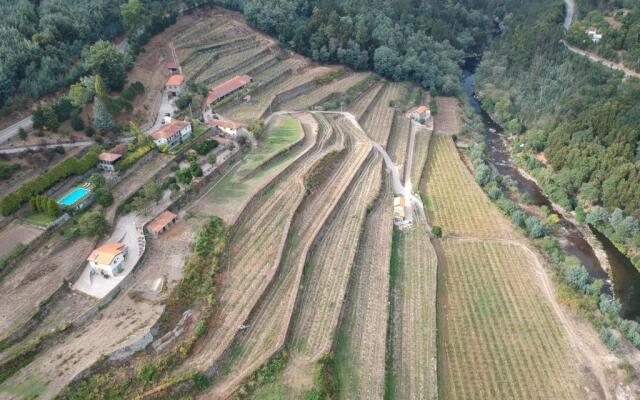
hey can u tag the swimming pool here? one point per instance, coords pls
(73, 196)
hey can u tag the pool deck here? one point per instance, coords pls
(127, 231)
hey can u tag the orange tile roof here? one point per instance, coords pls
(161, 221)
(175, 80)
(227, 87)
(422, 109)
(109, 157)
(225, 123)
(170, 129)
(106, 253)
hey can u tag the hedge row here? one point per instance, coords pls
(71, 166)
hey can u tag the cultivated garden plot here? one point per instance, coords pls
(454, 200)
(500, 337)
(256, 245)
(269, 322)
(413, 318)
(447, 121)
(379, 118)
(361, 342)
(420, 151)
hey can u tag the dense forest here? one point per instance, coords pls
(580, 119)
(420, 40)
(42, 42)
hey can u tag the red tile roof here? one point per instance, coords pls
(422, 109)
(227, 87)
(171, 65)
(225, 123)
(109, 157)
(170, 129)
(161, 221)
(175, 80)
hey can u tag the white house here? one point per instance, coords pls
(108, 259)
(107, 161)
(172, 134)
(594, 34)
(228, 127)
(175, 85)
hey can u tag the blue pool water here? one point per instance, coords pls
(73, 196)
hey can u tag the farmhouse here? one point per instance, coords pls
(594, 34)
(161, 223)
(421, 114)
(172, 134)
(107, 161)
(228, 127)
(175, 85)
(226, 88)
(108, 258)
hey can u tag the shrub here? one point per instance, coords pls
(103, 197)
(205, 147)
(609, 339)
(133, 90)
(93, 223)
(436, 231)
(77, 123)
(201, 328)
(89, 131)
(535, 228)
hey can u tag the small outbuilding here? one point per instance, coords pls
(107, 161)
(108, 259)
(161, 223)
(227, 126)
(175, 85)
(172, 68)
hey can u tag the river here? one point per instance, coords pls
(623, 278)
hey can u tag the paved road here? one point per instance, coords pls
(570, 7)
(10, 131)
(36, 147)
(601, 60)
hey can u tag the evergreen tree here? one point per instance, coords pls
(102, 119)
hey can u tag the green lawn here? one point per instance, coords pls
(283, 132)
(39, 219)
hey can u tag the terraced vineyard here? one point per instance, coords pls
(500, 338)
(379, 118)
(322, 92)
(413, 320)
(454, 200)
(365, 101)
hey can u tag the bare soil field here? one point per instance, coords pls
(448, 120)
(454, 201)
(15, 233)
(126, 319)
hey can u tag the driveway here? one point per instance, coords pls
(167, 106)
(127, 230)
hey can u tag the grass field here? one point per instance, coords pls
(454, 200)
(228, 196)
(499, 338)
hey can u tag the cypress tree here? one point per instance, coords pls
(102, 119)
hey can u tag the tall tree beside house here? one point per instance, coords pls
(102, 118)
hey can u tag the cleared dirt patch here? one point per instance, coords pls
(447, 121)
(16, 233)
